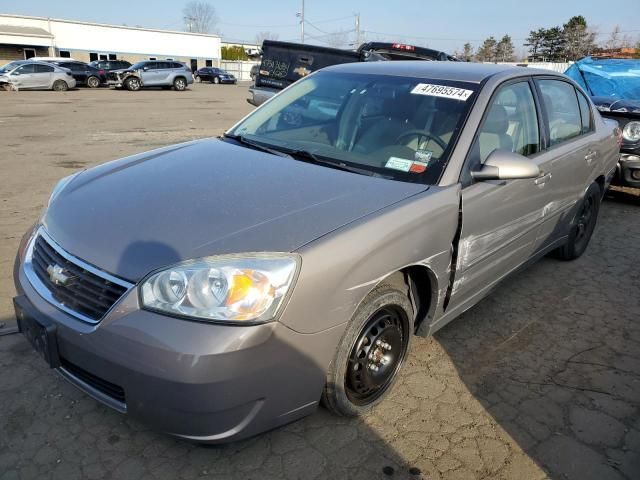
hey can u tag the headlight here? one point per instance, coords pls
(631, 131)
(231, 288)
(60, 186)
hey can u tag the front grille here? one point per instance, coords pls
(110, 389)
(84, 292)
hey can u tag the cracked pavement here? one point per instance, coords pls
(540, 380)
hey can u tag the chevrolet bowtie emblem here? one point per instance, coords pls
(57, 275)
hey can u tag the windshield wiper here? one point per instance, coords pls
(310, 157)
(255, 145)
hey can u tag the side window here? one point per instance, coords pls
(563, 111)
(25, 69)
(585, 113)
(150, 65)
(44, 68)
(511, 123)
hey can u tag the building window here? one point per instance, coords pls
(152, 58)
(65, 54)
(103, 56)
(29, 53)
(112, 56)
(209, 63)
(93, 56)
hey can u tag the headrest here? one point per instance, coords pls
(497, 121)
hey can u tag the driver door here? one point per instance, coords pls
(500, 218)
(24, 76)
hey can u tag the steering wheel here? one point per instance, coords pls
(422, 134)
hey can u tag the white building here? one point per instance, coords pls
(23, 37)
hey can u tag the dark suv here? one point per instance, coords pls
(109, 65)
(84, 73)
(152, 73)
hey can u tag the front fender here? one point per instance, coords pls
(342, 267)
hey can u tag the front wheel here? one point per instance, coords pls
(216, 80)
(132, 84)
(179, 84)
(93, 82)
(197, 79)
(371, 352)
(583, 225)
(60, 86)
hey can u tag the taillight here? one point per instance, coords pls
(400, 46)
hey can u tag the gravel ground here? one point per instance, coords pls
(541, 379)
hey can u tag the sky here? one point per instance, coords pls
(444, 25)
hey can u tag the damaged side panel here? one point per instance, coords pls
(417, 231)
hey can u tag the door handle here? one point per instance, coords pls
(590, 156)
(542, 179)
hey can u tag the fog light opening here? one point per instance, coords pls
(635, 174)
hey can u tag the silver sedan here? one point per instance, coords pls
(220, 288)
(38, 76)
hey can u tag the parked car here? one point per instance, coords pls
(614, 86)
(38, 76)
(214, 75)
(11, 65)
(292, 260)
(109, 65)
(284, 63)
(152, 73)
(84, 73)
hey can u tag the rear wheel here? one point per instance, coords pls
(371, 352)
(93, 82)
(179, 84)
(132, 84)
(60, 86)
(583, 225)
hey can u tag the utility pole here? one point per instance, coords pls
(357, 31)
(302, 22)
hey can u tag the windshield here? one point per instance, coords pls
(398, 127)
(11, 65)
(618, 79)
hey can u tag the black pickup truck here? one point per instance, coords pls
(284, 63)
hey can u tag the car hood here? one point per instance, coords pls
(617, 105)
(209, 197)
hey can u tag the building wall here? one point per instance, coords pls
(85, 56)
(128, 43)
(9, 53)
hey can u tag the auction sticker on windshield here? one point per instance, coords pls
(442, 91)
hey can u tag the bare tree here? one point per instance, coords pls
(614, 41)
(467, 52)
(579, 38)
(199, 17)
(262, 36)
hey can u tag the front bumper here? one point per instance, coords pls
(204, 382)
(628, 170)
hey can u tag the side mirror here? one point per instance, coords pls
(505, 165)
(145, 68)
(15, 74)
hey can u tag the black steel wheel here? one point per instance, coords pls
(377, 355)
(583, 225)
(372, 350)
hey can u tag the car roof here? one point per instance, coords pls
(457, 71)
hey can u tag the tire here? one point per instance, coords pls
(180, 84)
(197, 79)
(582, 225)
(60, 86)
(93, 82)
(215, 80)
(381, 329)
(132, 84)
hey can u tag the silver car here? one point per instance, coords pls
(38, 76)
(223, 287)
(152, 73)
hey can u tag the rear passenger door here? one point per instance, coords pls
(43, 76)
(567, 157)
